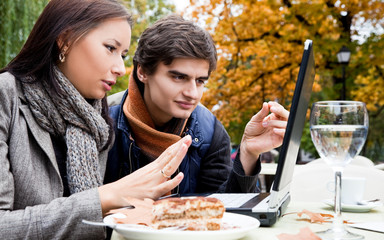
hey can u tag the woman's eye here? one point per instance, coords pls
(110, 48)
(124, 57)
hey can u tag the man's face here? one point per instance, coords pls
(174, 90)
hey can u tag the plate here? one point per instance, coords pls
(243, 225)
(353, 207)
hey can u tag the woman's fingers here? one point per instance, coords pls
(171, 158)
(172, 150)
(171, 183)
(175, 162)
(154, 179)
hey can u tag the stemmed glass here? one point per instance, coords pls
(338, 131)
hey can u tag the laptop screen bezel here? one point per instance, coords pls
(292, 138)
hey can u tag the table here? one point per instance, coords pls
(290, 224)
(267, 175)
(268, 168)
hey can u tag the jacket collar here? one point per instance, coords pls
(41, 136)
(193, 124)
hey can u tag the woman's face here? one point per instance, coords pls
(174, 90)
(93, 62)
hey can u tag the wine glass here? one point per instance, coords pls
(338, 131)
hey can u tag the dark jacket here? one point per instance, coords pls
(207, 167)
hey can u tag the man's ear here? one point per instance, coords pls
(141, 74)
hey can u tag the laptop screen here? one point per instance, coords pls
(292, 138)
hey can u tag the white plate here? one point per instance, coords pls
(243, 225)
(353, 207)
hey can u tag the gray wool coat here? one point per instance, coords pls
(32, 205)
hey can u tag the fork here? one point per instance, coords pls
(130, 206)
(174, 228)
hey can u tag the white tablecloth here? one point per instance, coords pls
(291, 223)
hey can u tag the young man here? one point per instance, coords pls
(173, 61)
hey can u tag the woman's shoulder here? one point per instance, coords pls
(10, 91)
(9, 95)
(7, 81)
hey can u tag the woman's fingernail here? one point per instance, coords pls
(180, 176)
(264, 124)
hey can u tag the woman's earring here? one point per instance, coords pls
(62, 57)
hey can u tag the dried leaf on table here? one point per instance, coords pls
(316, 217)
(304, 234)
(313, 217)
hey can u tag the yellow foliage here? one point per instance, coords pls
(260, 46)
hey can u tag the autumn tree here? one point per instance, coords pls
(17, 18)
(260, 44)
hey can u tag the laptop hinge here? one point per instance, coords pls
(276, 198)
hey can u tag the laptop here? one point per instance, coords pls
(268, 207)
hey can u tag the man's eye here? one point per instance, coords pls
(201, 82)
(179, 77)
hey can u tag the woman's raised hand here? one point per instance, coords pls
(151, 181)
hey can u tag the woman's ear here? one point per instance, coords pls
(141, 74)
(62, 42)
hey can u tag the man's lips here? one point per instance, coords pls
(185, 105)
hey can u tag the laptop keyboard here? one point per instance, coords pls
(233, 200)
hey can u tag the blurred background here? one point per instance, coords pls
(260, 44)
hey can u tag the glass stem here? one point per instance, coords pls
(338, 221)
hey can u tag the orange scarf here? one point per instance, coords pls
(151, 141)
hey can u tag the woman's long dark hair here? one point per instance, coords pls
(69, 20)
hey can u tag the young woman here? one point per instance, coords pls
(55, 132)
(173, 61)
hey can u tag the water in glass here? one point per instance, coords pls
(338, 131)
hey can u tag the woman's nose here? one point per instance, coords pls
(119, 67)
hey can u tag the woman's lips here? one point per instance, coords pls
(108, 84)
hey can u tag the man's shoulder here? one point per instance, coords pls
(203, 111)
(115, 99)
(210, 119)
(204, 118)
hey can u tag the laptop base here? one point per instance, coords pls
(266, 218)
